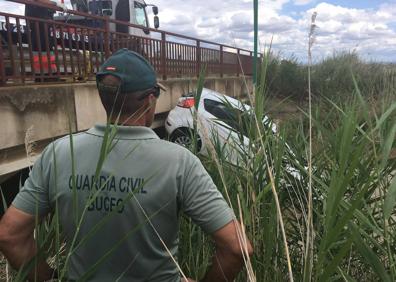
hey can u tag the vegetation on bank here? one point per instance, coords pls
(353, 229)
(331, 77)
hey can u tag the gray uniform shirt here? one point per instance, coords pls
(136, 196)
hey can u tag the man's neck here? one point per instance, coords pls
(130, 122)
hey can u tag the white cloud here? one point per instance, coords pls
(366, 31)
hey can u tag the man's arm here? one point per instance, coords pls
(18, 245)
(228, 260)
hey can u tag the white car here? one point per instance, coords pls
(217, 122)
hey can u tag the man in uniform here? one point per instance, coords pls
(121, 194)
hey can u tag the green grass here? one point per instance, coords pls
(331, 77)
(354, 189)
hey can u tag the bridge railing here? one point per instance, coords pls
(43, 50)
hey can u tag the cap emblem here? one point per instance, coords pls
(111, 68)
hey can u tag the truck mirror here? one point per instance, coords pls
(155, 10)
(156, 22)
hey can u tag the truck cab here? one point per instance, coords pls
(34, 52)
(130, 11)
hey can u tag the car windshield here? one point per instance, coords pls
(238, 120)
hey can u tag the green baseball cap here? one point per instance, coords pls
(134, 71)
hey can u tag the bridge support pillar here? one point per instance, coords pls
(220, 85)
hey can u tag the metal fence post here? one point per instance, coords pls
(107, 37)
(221, 61)
(198, 58)
(2, 66)
(251, 62)
(239, 62)
(163, 55)
(255, 21)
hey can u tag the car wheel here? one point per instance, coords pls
(184, 138)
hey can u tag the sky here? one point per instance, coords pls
(367, 27)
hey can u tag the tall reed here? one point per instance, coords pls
(344, 192)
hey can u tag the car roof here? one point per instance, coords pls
(217, 96)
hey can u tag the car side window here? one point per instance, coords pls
(223, 112)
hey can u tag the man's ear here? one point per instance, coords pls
(152, 99)
(148, 103)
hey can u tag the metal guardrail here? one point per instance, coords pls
(42, 50)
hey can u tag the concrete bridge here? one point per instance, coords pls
(48, 91)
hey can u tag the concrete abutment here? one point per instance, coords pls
(38, 114)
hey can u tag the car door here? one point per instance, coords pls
(220, 123)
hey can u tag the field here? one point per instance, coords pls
(317, 198)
